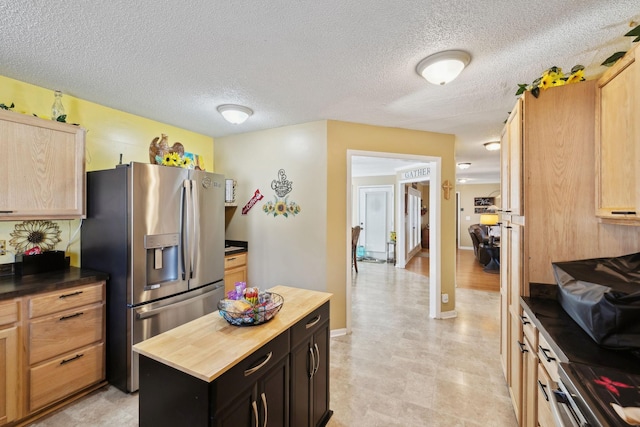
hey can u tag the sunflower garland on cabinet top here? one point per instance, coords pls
(551, 78)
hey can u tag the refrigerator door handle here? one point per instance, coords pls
(195, 235)
(186, 229)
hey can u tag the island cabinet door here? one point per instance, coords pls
(265, 403)
(310, 369)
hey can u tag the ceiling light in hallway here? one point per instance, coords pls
(464, 165)
(492, 146)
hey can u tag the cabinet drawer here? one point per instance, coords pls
(545, 417)
(548, 358)
(65, 299)
(65, 375)
(530, 330)
(309, 324)
(236, 260)
(245, 374)
(54, 335)
(8, 312)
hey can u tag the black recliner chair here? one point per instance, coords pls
(480, 240)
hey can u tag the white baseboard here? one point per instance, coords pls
(338, 332)
(466, 248)
(448, 314)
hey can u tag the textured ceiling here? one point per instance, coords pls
(299, 61)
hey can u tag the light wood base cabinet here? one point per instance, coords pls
(65, 342)
(51, 350)
(235, 270)
(9, 361)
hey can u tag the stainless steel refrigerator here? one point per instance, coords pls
(158, 232)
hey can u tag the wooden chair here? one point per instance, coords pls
(355, 234)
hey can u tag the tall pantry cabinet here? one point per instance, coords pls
(548, 190)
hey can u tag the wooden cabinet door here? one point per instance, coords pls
(300, 372)
(320, 380)
(515, 366)
(511, 160)
(8, 374)
(240, 412)
(273, 396)
(234, 275)
(529, 385)
(617, 141)
(44, 172)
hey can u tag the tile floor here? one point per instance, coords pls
(397, 368)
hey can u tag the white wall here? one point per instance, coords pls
(282, 251)
(467, 193)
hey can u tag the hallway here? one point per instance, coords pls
(401, 368)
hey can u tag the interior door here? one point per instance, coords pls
(376, 216)
(414, 203)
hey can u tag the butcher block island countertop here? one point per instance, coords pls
(208, 347)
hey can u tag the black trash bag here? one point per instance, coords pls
(602, 295)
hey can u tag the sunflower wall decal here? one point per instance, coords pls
(29, 234)
(281, 204)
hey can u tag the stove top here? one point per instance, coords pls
(606, 396)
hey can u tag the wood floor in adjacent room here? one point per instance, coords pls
(469, 272)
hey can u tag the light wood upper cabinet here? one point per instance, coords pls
(43, 172)
(511, 161)
(617, 142)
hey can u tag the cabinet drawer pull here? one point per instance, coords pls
(231, 259)
(523, 347)
(266, 410)
(623, 212)
(543, 389)
(71, 316)
(255, 368)
(525, 320)
(1, 212)
(76, 357)
(72, 294)
(314, 321)
(544, 353)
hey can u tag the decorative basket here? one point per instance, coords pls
(256, 315)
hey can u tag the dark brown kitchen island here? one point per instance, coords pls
(210, 373)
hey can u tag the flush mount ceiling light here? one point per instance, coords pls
(464, 165)
(462, 180)
(492, 146)
(235, 114)
(442, 67)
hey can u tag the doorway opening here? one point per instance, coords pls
(409, 169)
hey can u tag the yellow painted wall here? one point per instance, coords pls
(342, 136)
(109, 133)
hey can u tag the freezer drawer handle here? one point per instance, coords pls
(71, 316)
(255, 368)
(72, 294)
(313, 322)
(145, 313)
(76, 357)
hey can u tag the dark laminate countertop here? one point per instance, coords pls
(569, 341)
(16, 286)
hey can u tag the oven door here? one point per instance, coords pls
(564, 409)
